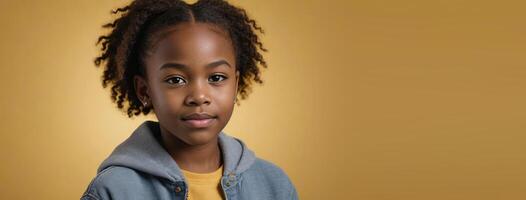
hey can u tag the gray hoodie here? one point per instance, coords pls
(140, 168)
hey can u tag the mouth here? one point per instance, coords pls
(198, 120)
(199, 123)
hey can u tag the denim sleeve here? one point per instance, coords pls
(97, 188)
(89, 196)
(293, 191)
(293, 194)
(121, 183)
(90, 193)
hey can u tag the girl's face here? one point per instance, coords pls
(191, 70)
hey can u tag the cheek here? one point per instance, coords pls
(174, 100)
(224, 101)
(168, 101)
(225, 95)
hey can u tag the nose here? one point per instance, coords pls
(198, 95)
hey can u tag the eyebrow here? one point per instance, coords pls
(183, 67)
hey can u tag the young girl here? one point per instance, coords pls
(186, 64)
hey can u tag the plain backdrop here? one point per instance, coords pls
(369, 100)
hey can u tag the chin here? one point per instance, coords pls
(199, 136)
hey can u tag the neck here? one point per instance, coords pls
(203, 158)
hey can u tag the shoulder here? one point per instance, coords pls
(269, 168)
(271, 176)
(115, 178)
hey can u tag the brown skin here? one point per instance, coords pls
(194, 88)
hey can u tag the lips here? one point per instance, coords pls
(198, 120)
(198, 116)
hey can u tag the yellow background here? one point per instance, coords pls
(369, 100)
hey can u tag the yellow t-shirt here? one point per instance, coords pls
(204, 186)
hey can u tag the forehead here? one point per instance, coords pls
(190, 39)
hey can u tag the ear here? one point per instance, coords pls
(141, 88)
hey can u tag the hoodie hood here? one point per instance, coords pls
(143, 152)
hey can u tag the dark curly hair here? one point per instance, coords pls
(132, 34)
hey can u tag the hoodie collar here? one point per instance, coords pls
(143, 152)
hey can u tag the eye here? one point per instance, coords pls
(178, 80)
(217, 78)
